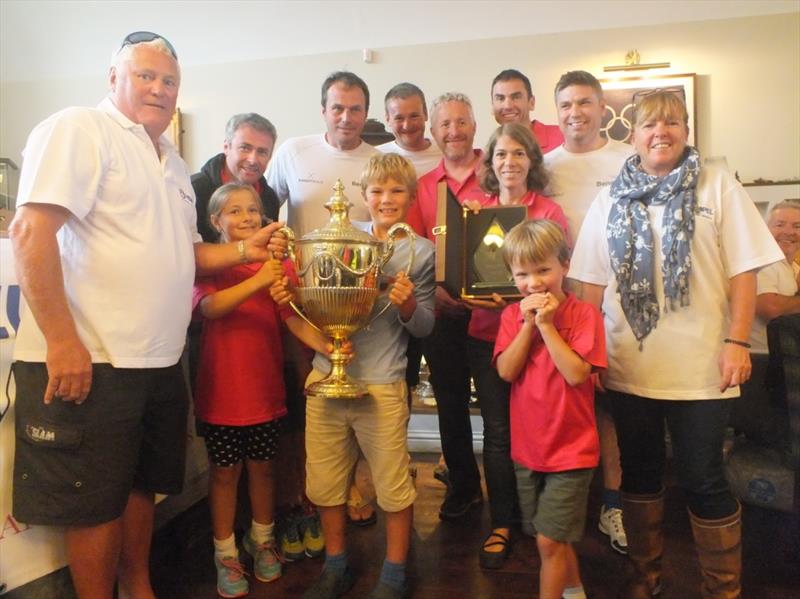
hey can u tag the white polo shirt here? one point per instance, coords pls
(424, 161)
(780, 278)
(304, 171)
(577, 178)
(127, 250)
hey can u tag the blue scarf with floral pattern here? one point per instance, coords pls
(630, 238)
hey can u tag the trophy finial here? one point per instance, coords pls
(338, 205)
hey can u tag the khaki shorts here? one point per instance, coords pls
(554, 503)
(77, 464)
(336, 428)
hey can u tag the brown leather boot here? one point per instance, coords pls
(719, 547)
(643, 516)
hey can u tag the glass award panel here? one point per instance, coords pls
(489, 267)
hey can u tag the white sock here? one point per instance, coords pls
(226, 547)
(261, 533)
(574, 593)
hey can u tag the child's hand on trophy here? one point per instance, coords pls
(346, 348)
(402, 295)
(281, 291)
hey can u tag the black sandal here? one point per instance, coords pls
(492, 560)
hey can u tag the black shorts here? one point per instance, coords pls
(228, 445)
(77, 464)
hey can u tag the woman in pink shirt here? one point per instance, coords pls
(513, 174)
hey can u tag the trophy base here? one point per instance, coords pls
(334, 387)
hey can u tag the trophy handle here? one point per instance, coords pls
(304, 317)
(289, 234)
(290, 238)
(390, 251)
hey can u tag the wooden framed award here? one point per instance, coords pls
(469, 260)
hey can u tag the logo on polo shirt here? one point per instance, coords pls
(186, 197)
(40, 433)
(704, 211)
(309, 179)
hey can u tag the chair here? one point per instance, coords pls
(767, 473)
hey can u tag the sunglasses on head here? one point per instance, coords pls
(676, 90)
(137, 37)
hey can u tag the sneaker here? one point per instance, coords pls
(611, 524)
(456, 505)
(330, 585)
(230, 577)
(313, 539)
(267, 562)
(289, 537)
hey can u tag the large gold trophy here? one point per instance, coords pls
(339, 268)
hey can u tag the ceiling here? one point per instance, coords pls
(63, 39)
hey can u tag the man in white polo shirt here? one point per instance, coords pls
(579, 168)
(105, 242)
(305, 169)
(406, 115)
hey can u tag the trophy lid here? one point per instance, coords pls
(339, 227)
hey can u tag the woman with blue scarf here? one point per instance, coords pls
(670, 253)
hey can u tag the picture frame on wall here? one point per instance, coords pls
(175, 130)
(621, 94)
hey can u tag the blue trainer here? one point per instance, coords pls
(230, 577)
(267, 562)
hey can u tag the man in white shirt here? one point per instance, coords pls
(586, 161)
(105, 245)
(305, 169)
(406, 115)
(579, 169)
(754, 413)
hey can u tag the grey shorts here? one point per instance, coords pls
(77, 464)
(554, 503)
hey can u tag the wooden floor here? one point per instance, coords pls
(444, 563)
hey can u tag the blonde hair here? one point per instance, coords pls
(535, 241)
(220, 197)
(660, 106)
(381, 167)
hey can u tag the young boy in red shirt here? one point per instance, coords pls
(547, 347)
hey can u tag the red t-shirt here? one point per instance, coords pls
(240, 374)
(422, 214)
(552, 423)
(484, 323)
(548, 136)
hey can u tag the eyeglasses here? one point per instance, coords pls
(137, 37)
(676, 90)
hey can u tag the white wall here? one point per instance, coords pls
(748, 88)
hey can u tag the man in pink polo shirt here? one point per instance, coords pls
(513, 101)
(453, 129)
